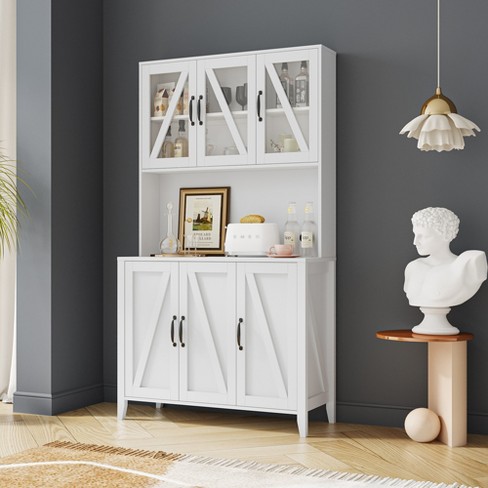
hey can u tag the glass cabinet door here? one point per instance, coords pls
(287, 101)
(226, 111)
(167, 124)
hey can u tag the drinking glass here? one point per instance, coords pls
(227, 94)
(241, 95)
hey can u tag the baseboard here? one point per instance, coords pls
(55, 403)
(394, 416)
(110, 393)
(372, 414)
(477, 423)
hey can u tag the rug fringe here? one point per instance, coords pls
(253, 465)
(121, 451)
(320, 473)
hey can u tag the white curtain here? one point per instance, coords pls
(8, 123)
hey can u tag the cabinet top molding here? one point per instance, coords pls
(226, 259)
(244, 53)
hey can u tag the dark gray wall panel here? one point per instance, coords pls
(77, 177)
(60, 151)
(386, 69)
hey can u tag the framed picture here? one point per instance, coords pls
(204, 213)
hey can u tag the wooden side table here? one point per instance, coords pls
(447, 378)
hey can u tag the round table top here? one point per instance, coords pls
(406, 335)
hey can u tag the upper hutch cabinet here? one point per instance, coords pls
(231, 109)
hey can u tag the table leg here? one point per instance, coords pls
(448, 391)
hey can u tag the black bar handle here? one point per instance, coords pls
(239, 334)
(173, 331)
(199, 110)
(260, 92)
(180, 331)
(191, 110)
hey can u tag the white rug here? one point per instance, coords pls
(65, 464)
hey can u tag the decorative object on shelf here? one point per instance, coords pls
(241, 95)
(287, 143)
(287, 85)
(441, 279)
(170, 244)
(291, 234)
(308, 234)
(281, 250)
(422, 425)
(161, 103)
(276, 147)
(164, 92)
(227, 91)
(301, 86)
(168, 150)
(230, 150)
(203, 216)
(252, 219)
(290, 144)
(439, 127)
(181, 142)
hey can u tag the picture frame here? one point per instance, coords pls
(203, 217)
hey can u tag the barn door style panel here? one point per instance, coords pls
(207, 309)
(151, 308)
(267, 335)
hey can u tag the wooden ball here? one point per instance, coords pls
(422, 425)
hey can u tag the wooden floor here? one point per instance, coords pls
(266, 439)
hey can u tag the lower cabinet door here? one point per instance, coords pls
(207, 359)
(267, 329)
(151, 308)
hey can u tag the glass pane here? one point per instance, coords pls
(287, 107)
(163, 88)
(226, 129)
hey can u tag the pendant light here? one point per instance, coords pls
(439, 127)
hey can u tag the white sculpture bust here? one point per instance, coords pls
(441, 279)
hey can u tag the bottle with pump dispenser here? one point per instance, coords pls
(292, 229)
(308, 235)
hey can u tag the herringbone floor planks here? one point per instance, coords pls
(267, 439)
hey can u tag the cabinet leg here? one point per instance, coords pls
(448, 391)
(331, 412)
(159, 405)
(302, 422)
(122, 409)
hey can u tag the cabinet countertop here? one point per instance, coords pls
(259, 259)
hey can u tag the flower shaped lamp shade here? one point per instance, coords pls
(439, 127)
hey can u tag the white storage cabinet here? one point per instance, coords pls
(229, 333)
(242, 333)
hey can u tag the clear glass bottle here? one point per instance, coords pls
(287, 85)
(292, 228)
(170, 244)
(181, 142)
(168, 150)
(308, 235)
(301, 86)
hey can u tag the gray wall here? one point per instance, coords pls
(386, 69)
(60, 154)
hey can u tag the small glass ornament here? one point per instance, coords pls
(170, 244)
